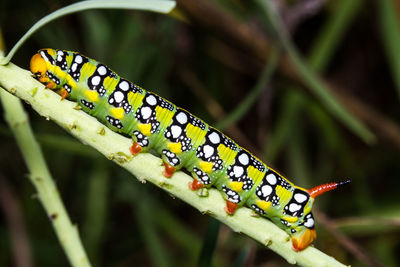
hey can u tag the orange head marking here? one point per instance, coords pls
(321, 189)
(41, 63)
(38, 65)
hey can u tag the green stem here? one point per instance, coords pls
(332, 32)
(210, 242)
(179, 232)
(390, 28)
(148, 231)
(161, 6)
(96, 209)
(40, 176)
(147, 167)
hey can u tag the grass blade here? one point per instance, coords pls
(391, 38)
(254, 94)
(209, 244)
(332, 32)
(316, 86)
(162, 6)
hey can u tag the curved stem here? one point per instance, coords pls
(161, 6)
(41, 178)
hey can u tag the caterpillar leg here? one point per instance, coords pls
(135, 148)
(168, 170)
(50, 85)
(171, 161)
(64, 94)
(231, 207)
(195, 185)
(200, 179)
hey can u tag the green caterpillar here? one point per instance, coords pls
(182, 140)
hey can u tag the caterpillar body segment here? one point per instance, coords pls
(182, 140)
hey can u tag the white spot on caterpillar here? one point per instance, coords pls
(208, 151)
(73, 67)
(102, 70)
(119, 96)
(238, 171)
(146, 112)
(266, 190)
(176, 131)
(214, 138)
(124, 85)
(59, 55)
(181, 118)
(300, 198)
(293, 207)
(309, 223)
(244, 159)
(96, 80)
(151, 100)
(78, 59)
(271, 178)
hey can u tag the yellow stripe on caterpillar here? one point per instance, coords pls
(290, 219)
(264, 205)
(117, 113)
(193, 132)
(163, 115)
(206, 166)
(283, 194)
(93, 96)
(226, 154)
(87, 69)
(236, 186)
(71, 82)
(175, 147)
(254, 173)
(145, 129)
(135, 99)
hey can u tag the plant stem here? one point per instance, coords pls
(41, 178)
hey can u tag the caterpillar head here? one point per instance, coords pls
(41, 63)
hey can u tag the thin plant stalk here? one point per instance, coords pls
(162, 6)
(40, 176)
(210, 242)
(390, 27)
(254, 94)
(333, 32)
(313, 82)
(96, 209)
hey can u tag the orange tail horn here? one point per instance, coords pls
(321, 189)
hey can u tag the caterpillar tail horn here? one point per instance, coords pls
(305, 235)
(321, 189)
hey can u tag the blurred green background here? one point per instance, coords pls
(207, 58)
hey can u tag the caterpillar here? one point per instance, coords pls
(182, 140)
